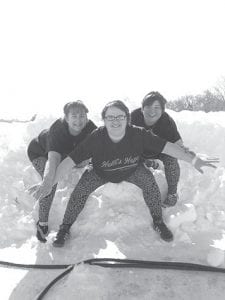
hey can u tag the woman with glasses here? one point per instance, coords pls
(116, 149)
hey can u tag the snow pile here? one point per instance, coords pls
(115, 221)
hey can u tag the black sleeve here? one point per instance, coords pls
(85, 149)
(152, 142)
(137, 118)
(57, 137)
(171, 131)
(36, 150)
(91, 126)
(166, 128)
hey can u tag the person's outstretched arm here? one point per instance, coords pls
(41, 190)
(52, 163)
(178, 152)
(45, 186)
(64, 168)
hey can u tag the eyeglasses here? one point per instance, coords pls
(115, 118)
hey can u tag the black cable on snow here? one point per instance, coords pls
(60, 276)
(115, 263)
(119, 263)
(32, 266)
(129, 263)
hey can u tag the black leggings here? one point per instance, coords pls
(46, 202)
(90, 181)
(172, 171)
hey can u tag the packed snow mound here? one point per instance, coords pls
(115, 221)
(201, 196)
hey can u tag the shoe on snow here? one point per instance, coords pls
(171, 200)
(42, 232)
(62, 236)
(163, 231)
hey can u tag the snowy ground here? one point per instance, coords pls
(116, 223)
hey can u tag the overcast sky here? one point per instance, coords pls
(54, 51)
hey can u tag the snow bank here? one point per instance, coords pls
(115, 222)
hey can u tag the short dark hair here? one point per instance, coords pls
(118, 104)
(74, 105)
(152, 97)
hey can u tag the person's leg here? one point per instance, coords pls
(87, 184)
(44, 203)
(145, 180)
(172, 174)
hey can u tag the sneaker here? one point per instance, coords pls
(62, 235)
(163, 230)
(171, 200)
(42, 232)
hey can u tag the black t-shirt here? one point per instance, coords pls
(165, 127)
(117, 161)
(57, 138)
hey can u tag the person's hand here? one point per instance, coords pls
(199, 162)
(83, 164)
(151, 163)
(41, 190)
(33, 188)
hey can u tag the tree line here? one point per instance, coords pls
(209, 100)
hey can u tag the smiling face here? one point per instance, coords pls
(115, 121)
(152, 113)
(76, 120)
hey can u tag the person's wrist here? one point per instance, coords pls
(47, 181)
(194, 159)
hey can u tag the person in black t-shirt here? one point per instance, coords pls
(152, 116)
(50, 147)
(116, 150)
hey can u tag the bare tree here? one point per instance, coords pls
(220, 88)
(18, 121)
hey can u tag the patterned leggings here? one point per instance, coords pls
(172, 172)
(46, 202)
(90, 181)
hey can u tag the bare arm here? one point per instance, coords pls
(52, 163)
(44, 188)
(181, 144)
(40, 191)
(64, 168)
(179, 152)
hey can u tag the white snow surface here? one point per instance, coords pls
(116, 223)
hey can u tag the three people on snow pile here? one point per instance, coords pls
(121, 150)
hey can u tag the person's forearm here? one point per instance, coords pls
(64, 168)
(49, 172)
(178, 152)
(52, 163)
